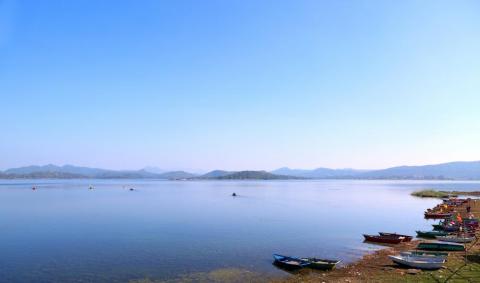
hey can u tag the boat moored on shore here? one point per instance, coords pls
(440, 246)
(455, 239)
(405, 238)
(431, 234)
(428, 263)
(321, 264)
(383, 239)
(289, 263)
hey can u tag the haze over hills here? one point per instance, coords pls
(255, 175)
(216, 174)
(70, 172)
(243, 175)
(319, 173)
(154, 169)
(70, 169)
(460, 170)
(466, 170)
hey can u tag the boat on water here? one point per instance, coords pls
(383, 239)
(431, 234)
(289, 263)
(419, 262)
(440, 246)
(321, 264)
(455, 239)
(406, 238)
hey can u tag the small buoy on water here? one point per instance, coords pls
(234, 195)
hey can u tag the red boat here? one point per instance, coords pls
(383, 239)
(405, 238)
(437, 215)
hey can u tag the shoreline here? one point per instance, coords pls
(364, 269)
(377, 267)
(431, 193)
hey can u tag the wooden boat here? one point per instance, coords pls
(290, 263)
(455, 239)
(383, 239)
(431, 234)
(440, 246)
(424, 253)
(418, 262)
(406, 238)
(446, 228)
(321, 264)
(437, 215)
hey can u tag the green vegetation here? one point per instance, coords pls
(442, 194)
(431, 194)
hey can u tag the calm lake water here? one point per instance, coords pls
(63, 232)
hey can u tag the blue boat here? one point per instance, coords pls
(289, 263)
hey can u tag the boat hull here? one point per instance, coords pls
(440, 246)
(289, 263)
(418, 262)
(382, 239)
(431, 234)
(405, 238)
(437, 215)
(455, 239)
(424, 253)
(321, 264)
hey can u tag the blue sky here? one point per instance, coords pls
(239, 84)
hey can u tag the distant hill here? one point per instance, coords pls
(467, 170)
(155, 170)
(176, 175)
(320, 173)
(76, 172)
(254, 175)
(42, 175)
(67, 169)
(215, 174)
(462, 170)
(140, 174)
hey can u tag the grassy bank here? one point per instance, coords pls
(442, 194)
(432, 194)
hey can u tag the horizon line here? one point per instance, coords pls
(206, 170)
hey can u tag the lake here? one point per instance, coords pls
(168, 230)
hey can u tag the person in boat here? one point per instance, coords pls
(234, 195)
(34, 188)
(132, 189)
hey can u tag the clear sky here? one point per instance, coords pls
(239, 84)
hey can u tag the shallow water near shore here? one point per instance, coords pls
(169, 230)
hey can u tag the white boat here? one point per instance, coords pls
(424, 255)
(455, 239)
(418, 262)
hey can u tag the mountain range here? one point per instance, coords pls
(461, 170)
(70, 172)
